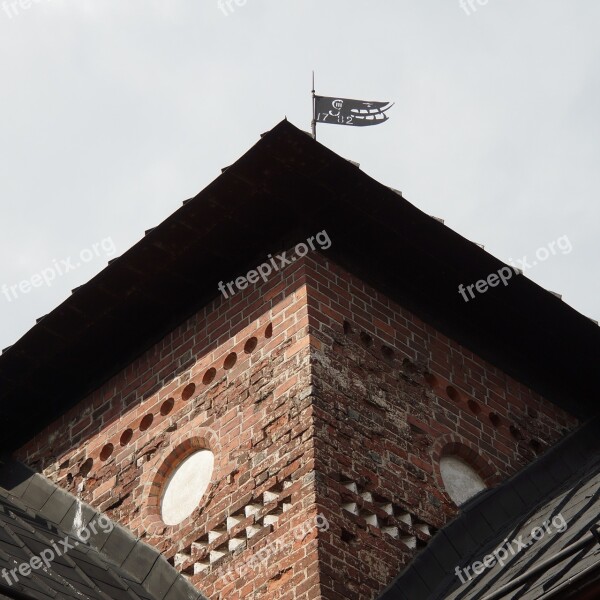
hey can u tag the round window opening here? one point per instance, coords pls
(460, 479)
(186, 486)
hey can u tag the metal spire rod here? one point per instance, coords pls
(314, 120)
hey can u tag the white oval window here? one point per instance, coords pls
(186, 486)
(460, 479)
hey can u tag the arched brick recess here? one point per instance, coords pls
(160, 468)
(455, 445)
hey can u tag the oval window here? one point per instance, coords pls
(460, 479)
(186, 486)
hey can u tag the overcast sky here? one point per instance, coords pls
(114, 111)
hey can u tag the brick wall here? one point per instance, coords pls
(232, 379)
(317, 395)
(392, 395)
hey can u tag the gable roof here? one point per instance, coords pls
(284, 189)
(558, 493)
(111, 565)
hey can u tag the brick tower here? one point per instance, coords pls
(302, 434)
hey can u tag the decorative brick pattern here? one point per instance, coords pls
(392, 395)
(246, 521)
(375, 511)
(234, 379)
(316, 394)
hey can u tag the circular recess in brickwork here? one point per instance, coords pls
(495, 419)
(209, 376)
(474, 407)
(269, 331)
(366, 339)
(146, 422)
(535, 445)
(453, 393)
(186, 486)
(250, 345)
(188, 391)
(230, 361)
(167, 406)
(347, 536)
(515, 432)
(431, 379)
(106, 452)
(347, 328)
(388, 353)
(460, 479)
(86, 467)
(126, 437)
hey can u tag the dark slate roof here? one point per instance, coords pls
(112, 565)
(286, 188)
(563, 486)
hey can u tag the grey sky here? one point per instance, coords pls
(114, 111)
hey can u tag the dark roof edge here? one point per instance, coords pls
(215, 234)
(503, 506)
(140, 560)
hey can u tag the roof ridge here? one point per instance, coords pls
(491, 514)
(32, 493)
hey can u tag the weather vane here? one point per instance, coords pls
(345, 111)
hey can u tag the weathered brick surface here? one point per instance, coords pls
(116, 448)
(336, 401)
(392, 395)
